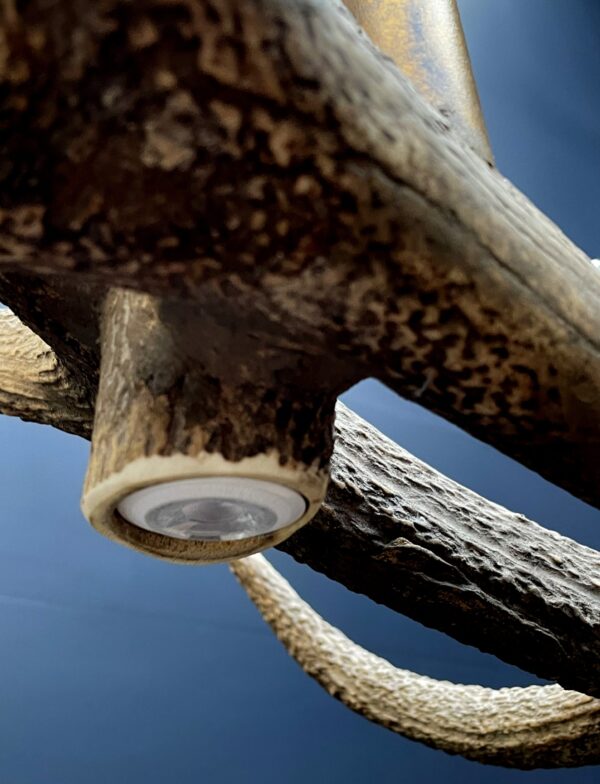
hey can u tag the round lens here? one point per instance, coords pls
(213, 508)
(211, 518)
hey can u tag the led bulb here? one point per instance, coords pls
(213, 508)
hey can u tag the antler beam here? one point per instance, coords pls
(280, 186)
(263, 159)
(410, 538)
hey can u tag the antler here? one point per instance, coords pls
(35, 385)
(391, 250)
(272, 166)
(533, 727)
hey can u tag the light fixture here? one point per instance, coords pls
(214, 508)
(190, 466)
(203, 508)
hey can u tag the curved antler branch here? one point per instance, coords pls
(283, 176)
(408, 537)
(34, 385)
(533, 727)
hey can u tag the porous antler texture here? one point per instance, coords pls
(407, 536)
(263, 159)
(407, 554)
(533, 727)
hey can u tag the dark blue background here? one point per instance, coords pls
(116, 667)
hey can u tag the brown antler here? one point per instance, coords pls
(398, 531)
(286, 195)
(271, 165)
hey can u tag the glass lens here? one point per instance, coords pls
(213, 508)
(211, 518)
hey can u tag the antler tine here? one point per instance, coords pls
(533, 727)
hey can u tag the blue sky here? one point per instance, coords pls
(117, 667)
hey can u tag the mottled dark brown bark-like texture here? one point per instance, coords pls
(303, 220)
(408, 537)
(154, 401)
(261, 158)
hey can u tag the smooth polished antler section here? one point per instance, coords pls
(533, 727)
(426, 41)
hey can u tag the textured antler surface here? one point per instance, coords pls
(33, 383)
(288, 196)
(533, 727)
(269, 163)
